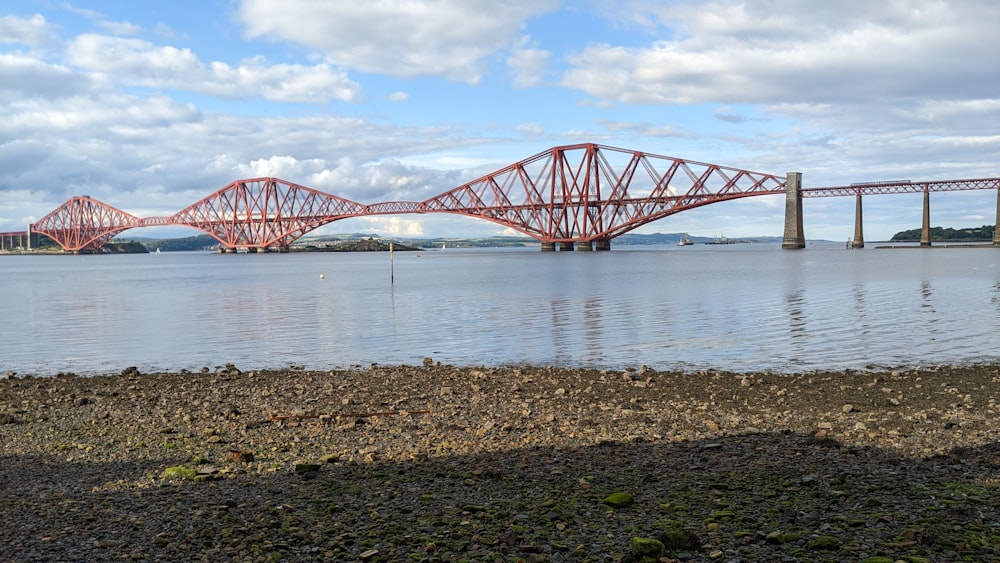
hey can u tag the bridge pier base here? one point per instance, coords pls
(566, 246)
(548, 246)
(859, 236)
(585, 246)
(794, 236)
(925, 225)
(604, 245)
(996, 227)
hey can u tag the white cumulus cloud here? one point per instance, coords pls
(447, 38)
(140, 62)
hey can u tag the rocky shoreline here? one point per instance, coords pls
(442, 463)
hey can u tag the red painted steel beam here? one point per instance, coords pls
(84, 224)
(903, 187)
(394, 208)
(572, 193)
(264, 213)
(593, 192)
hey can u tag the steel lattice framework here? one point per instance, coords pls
(903, 187)
(84, 223)
(570, 194)
(264, 213)
(591, 192)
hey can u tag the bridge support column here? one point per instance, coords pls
(996, 226)
(566, 246)
(585, 246)
(925, 226)
(548, 246)
(859, 236)
(606, 244)
(29, 225)
(794, 236)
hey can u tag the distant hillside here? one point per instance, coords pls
(447, 242)
(362, 245)
(984, 233)
(200, 242)
(674, 238)
(337, 241)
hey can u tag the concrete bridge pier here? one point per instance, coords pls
(996, 227)
(585, 246)
(601, 245)
(548, 246)
(794, 236)
(859, 237)
(565, 246)
(925, 226)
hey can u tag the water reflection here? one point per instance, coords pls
(561, 324)
(795, 302)
(593, 331)
(925, 296)
(797, 343)
(861, 309)
(748, 307)
(927, 309)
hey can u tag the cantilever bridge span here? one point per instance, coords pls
(575, 196)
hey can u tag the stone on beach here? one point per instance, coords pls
(509, 462)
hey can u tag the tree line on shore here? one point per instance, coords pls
(984, 233)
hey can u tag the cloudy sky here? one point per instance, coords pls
(150, 106)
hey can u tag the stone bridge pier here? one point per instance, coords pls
(794, 236)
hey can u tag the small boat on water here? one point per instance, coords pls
(685, 242)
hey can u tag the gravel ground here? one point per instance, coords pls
(440, 463)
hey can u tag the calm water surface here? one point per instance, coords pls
(736, 307)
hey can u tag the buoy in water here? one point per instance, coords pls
(322, 276)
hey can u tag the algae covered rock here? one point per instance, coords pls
(618, 500)
(824, 543)
(647, 547)
(675, 535)
(179, 472)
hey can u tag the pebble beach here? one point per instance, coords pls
(442, 463)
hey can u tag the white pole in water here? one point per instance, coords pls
(392, 272)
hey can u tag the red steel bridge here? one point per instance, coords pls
(575, 196)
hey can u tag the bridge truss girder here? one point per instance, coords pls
(573, 193)
(904, 187)
(84, 224)
(264, 213)
(591, 192)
